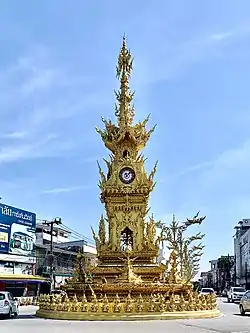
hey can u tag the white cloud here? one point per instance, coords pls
(14, 135)
(221, 36)
(193, 168)
(37, 92)
(41, 79)
(65, 190)
(231, 166)
(230, 160)
(12, 153)
(174, 56)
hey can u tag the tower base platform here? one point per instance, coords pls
(83, 316)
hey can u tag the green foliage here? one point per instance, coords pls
(225, 263)
(81, 272)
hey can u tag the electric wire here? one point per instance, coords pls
(64, 263)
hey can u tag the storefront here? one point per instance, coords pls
(24, 285)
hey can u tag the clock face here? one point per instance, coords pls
(127, 175)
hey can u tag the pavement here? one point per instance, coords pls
(229, 322)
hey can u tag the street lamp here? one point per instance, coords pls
(57, 220)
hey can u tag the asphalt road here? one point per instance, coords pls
(229, 322)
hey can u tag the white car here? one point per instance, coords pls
(207, 291)
(8, 305)
(235, 294)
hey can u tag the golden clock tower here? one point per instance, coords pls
(125, 189)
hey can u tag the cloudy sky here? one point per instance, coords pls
(191, 72)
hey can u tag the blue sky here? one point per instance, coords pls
(191, 72)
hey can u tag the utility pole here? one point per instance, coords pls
(56, 221)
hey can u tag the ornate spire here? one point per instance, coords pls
(123, 109)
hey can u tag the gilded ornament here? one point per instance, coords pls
(59, 305)
(94, 305)
(152, 305)
(172, 303)
(105, 304)
(127, 243)
(84, 304)
(140, 304)
(129, 304)
(117, 304)
(74, 303)
(181, 306)
(162, 303)
(67, 304)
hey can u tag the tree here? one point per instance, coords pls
(224, 267)
(81, 272)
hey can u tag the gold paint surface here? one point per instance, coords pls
(128, 283)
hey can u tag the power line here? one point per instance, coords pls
(74, 234)
(79, 235)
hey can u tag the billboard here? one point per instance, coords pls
(8, 267)
(17, 231)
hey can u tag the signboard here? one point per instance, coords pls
(8, 267)
(17, 231)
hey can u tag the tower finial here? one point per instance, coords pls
(123, 109)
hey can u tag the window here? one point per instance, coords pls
(207, 290)
(2, 297)
(247, 295)
(125, 154)
(127, 239)
(238, 290)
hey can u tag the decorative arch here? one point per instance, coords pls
(125, 153)
(127, 239)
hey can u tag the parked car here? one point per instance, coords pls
(224, 292)
(207, 291)
(58, 292)
(8, 305)
(235, 294)
(244, 305)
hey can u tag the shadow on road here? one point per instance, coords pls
(26, 316)
(239, 315)
(21, 316)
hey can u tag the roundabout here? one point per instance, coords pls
(129, 309)
(76, 316)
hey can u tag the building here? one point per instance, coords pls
(25, 251)
(221, 274)
(213, 275)
(242, 253)
(64, 252)
(43, 234)
(18, 254)
(203, 281)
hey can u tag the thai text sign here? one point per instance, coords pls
(17, 231)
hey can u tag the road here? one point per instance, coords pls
(229, 322)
